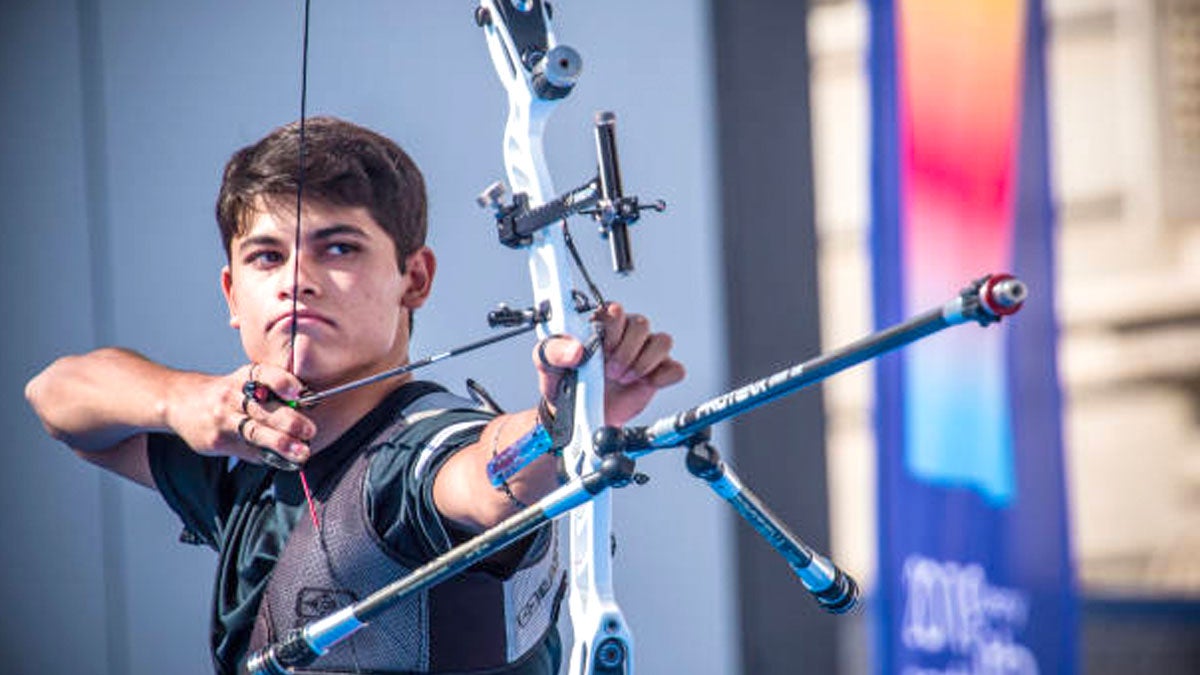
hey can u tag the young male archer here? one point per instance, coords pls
(396, 468)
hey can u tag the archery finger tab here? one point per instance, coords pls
(277, 461)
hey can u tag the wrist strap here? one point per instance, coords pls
(503, 485)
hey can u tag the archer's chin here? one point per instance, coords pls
(315, 372)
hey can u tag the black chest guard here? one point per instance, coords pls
(476, 622)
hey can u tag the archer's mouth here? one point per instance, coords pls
(303, 318)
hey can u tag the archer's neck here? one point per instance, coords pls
(335, 415)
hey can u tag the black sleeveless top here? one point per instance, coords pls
(373, 489)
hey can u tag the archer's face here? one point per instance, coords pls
(353, 302)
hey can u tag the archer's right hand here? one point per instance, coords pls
(214, 417)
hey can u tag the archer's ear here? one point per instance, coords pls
(227, 289)
(419, 267)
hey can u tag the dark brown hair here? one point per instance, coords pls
(344, 165)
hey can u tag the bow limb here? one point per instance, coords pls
(537, 73)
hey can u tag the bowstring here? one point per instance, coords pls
(312, 508)
(291, 364)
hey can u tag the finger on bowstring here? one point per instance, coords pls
(282, 383)
(256, 434)
(655, 351)
(633, 339)
(612, 324)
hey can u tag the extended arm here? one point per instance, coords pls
(637, 364)
(102, 404)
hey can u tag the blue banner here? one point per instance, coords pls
(975, 572)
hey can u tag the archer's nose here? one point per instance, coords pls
(297, 279)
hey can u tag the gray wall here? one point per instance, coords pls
(117, 116)
(769, 248)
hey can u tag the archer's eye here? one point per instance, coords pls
(264, 258)
(341, 248)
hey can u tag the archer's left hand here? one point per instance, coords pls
(637, 363)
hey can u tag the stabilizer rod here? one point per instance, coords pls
(833, 589)
(984, 301)
(302, 646)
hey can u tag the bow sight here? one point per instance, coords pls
(602, 198)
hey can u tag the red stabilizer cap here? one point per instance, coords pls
(1002, 294)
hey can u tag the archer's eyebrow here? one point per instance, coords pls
(338, 229)
(259, 240)
(319, 234)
